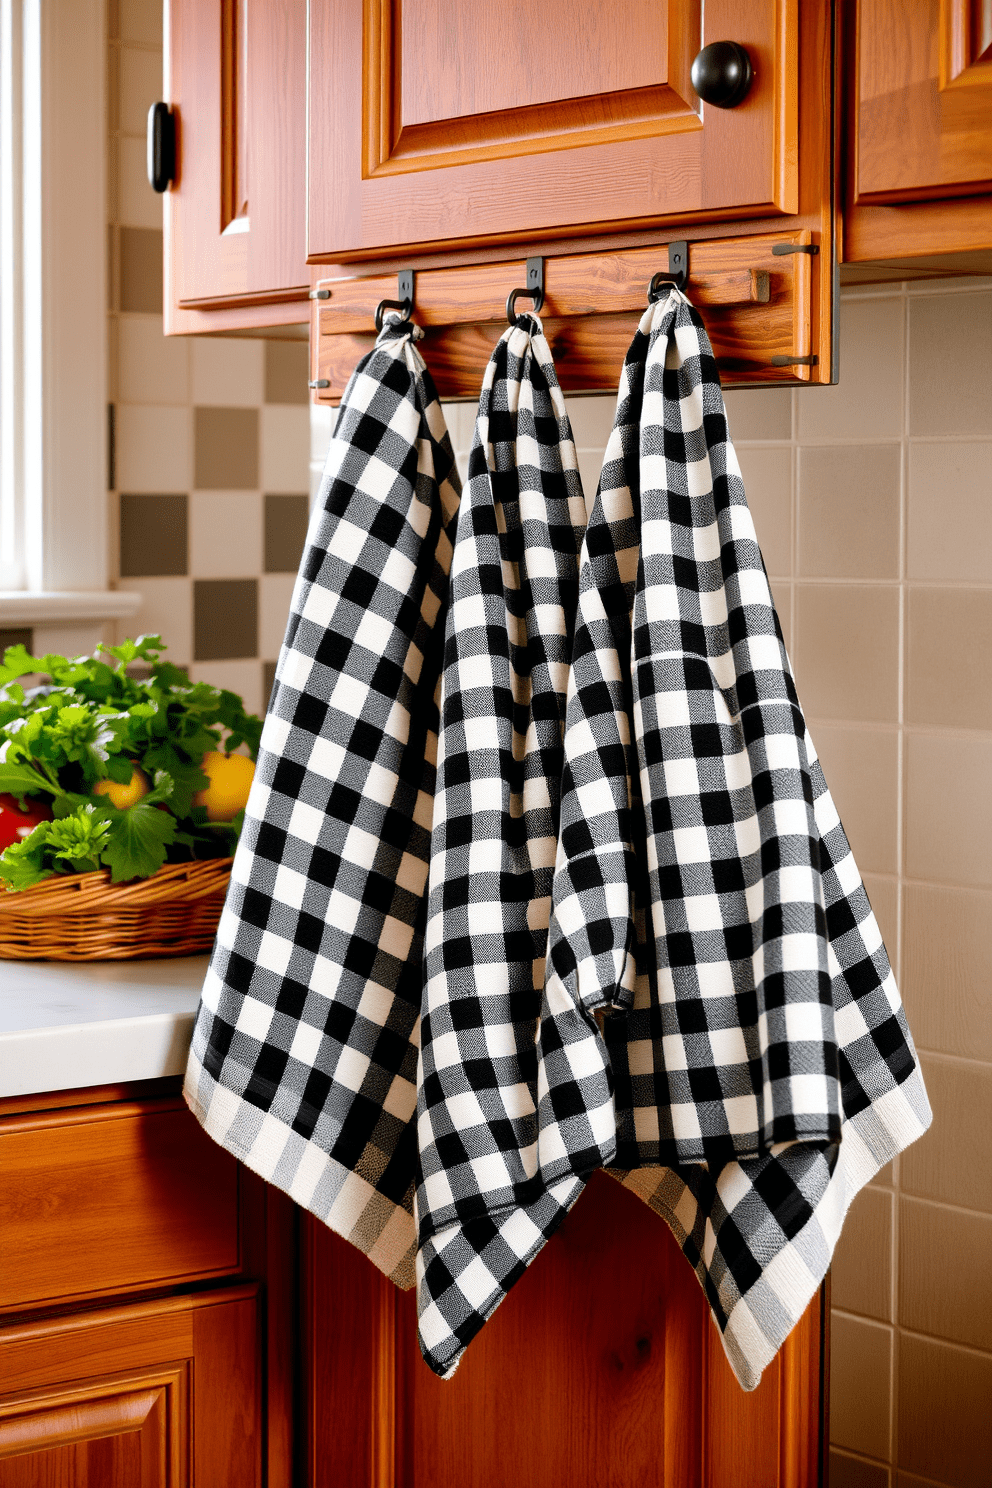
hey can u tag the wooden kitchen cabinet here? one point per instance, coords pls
(152, 1395)
(445, 137)
(147, 1300)
(166, 1319)
(919, 77)
(438, 124)
(235, 215)
(601, 1369)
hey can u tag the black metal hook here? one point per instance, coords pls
(405, 305)
(534, 290)
(405, 282)
(677, 275)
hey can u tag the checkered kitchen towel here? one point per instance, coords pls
(756, 1069)
(512, 605)
(305, 1048)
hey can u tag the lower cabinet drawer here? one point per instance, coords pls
(159, 1394)
(112, 1199)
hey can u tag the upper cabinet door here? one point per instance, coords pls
(923, 100)
(235, 218)
(451, 124)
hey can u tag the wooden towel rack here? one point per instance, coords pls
(755, 294)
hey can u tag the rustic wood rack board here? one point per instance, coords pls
(756, 305)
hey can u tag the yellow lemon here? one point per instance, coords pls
(230, 777)
(123, 796)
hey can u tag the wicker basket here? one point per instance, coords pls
(86, 918)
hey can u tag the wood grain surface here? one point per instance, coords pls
(406, 147)
(157, 1393)
(602, 1369)
(112, 1198)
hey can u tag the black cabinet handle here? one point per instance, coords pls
(161, 147)
(722, 74)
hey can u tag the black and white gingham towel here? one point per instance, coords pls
(305, 1048)
(512, 605)
(705, 891)
(705, 894)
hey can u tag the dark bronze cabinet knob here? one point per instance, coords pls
(722, 74)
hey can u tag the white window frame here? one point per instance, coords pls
(54, 508)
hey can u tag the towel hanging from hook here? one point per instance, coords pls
(405, 302)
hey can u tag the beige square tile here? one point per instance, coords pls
(225, 534)
(141, 86)
(242, 677)
(947, 969)
(911, 1480)
(590, 469)
(285, 446)
(287, 370)
(113, 357)
(141, 21)
(949, 657)
(225, 619)
(848, 511)
(846, 651)
(945, 1275)
(140, 271)
(591, 420)
(459, 417)
(855, 1472)
(860, 1385)
(152, 368)
(153, 535)
(226, 449)
(883, 893)
(949, 809)
(137, 204)
(861, 767)
(861, 1272)
(767, 476)
(166, 610)
(945, 1424)
(885, 1177)
(949, 337)
(113, 92)
(952, 1162)
(153, 448)
(285, 523)
(274, 594)
(759, 413)
(949, 526)
(322, 421)
(228, 372)
(867, 403)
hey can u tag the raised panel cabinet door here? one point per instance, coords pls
(923, 107)
(235, 217)
(602, 1369)
(157, 1395)
(435, 122)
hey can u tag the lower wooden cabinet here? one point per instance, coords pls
(601, 1369)
(169, 1321)
(152, 1395)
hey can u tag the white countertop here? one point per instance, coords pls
(64, 1025)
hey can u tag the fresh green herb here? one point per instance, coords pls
(81, 735)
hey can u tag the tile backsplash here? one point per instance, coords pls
(873, 504)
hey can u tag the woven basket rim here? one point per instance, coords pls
(79, 893)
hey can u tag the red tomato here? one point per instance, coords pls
(16, 824)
